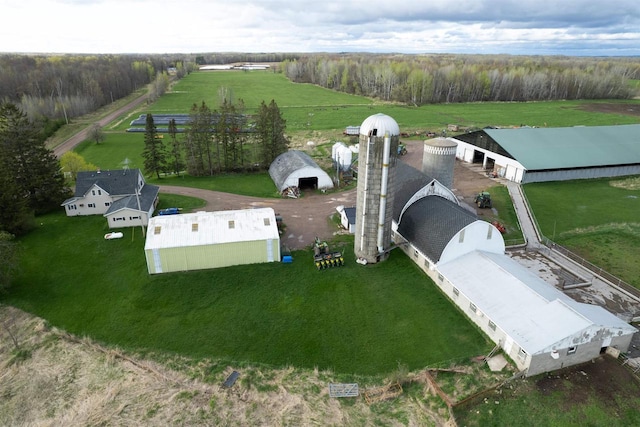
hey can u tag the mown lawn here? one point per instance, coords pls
(596, 218)
(353, 319)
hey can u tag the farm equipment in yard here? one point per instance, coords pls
(402, 149)
(325, 259)
(501, 228)
(483, 200)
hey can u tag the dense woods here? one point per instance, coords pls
(60, 87)
(425, 79)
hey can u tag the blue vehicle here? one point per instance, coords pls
(169, 211)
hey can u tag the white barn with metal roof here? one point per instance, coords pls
(554, 154)
(540, 328)
(206, 240)
(297, 169)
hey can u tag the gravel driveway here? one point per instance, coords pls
(308, 217)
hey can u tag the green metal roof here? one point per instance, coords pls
(572, 147)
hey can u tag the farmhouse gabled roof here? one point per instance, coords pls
(570, 147)
(148, 195)
(114, 182)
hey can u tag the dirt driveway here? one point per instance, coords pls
(308, 217)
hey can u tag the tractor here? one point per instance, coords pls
(483, 200)
(402, 149)
(325, 259)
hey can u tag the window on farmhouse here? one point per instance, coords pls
(91, 205)
(107, 203)
(572, 350)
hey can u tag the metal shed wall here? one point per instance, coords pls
(186, 258)
(585, 173)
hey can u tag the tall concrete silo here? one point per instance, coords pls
(378, 153)
(438, 160)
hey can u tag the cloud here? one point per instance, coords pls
(580, 27)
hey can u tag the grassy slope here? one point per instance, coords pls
(350, 319)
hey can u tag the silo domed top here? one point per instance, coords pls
(440, 142)
(381, 123)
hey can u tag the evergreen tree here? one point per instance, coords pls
(154, 154)
(175, 151)
(200, 160)
(270, 128)
(34, 169)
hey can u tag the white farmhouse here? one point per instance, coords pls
(121, 196)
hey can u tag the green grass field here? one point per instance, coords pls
(353, 319)
(311, 108)
(597, 218)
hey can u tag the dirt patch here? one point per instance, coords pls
(625, 109)
(603, 379)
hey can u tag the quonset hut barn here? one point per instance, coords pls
(297, 169)
(554, 154)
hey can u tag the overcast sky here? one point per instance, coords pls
(518, 27)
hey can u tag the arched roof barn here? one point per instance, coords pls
(297, 169)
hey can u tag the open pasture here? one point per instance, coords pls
(311, 108)
(597, 218)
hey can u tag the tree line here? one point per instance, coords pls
(61, 87)
(216, 141)
(427, 79)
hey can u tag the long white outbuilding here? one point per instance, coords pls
(206, 240)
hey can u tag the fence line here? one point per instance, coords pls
(598, 271)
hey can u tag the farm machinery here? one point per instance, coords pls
(483, 200)
(323, 258)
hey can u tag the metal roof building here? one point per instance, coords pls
(554, 154)
(537, 326)
(297, 169)
(206, 240)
